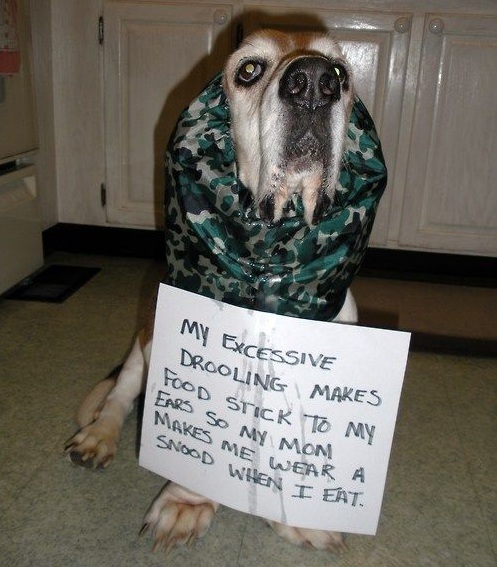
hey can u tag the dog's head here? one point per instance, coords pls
(290, 97)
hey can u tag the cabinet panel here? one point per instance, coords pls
(451, 193)
(376, 45)
(157, 58)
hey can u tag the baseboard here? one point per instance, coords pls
(378, 262)
(104, 241)
(453, 345)
(434, 267)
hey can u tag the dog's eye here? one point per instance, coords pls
(249, 72)
(340, 72)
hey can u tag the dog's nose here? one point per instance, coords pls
(310, 82)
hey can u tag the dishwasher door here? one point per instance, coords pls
(21, 250)
(20, 223)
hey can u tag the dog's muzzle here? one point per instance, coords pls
(310, 83)
(308, 89)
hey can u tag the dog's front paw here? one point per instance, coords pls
(178, 517)
(94, 446)
(318, 539)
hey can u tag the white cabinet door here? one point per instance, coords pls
(451, 194)
(376, 44)
(157, 59)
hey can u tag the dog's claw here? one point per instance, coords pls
(94, 446)
(80, 460)
(158, 544)
(144, 529)
(165, 543)
(171, 544)
(105, 462)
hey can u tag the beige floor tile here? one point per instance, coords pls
(440, 500)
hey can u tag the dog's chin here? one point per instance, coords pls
(301, 168)
(296, 175)
(301, 152)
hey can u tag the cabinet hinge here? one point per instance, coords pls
(101, 30)
(103, 194)
(239, 35)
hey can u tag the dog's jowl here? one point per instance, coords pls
(290, 99)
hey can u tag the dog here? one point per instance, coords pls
(290, 98)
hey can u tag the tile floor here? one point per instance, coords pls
(440, 506)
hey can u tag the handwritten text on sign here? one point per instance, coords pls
(285, 418)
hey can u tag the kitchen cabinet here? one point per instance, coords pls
(450, 198)
(425, 69)
(156, 57)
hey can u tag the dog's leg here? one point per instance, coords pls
(178, 516)
(319, 539)
(102, 414)
(348, 312)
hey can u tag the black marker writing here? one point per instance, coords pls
(200, 331)
(239, 451)
(360, 430)
(291, 357)
(306, 448)
(255, 476)
(345, 394)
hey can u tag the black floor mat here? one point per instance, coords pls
(53, 284)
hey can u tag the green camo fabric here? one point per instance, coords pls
(218, 246)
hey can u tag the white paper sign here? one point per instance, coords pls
(285, 418)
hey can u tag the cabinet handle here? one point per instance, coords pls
(402, 25)
(436, 26)
(220, 17)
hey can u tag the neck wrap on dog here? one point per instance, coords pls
(218, 246)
